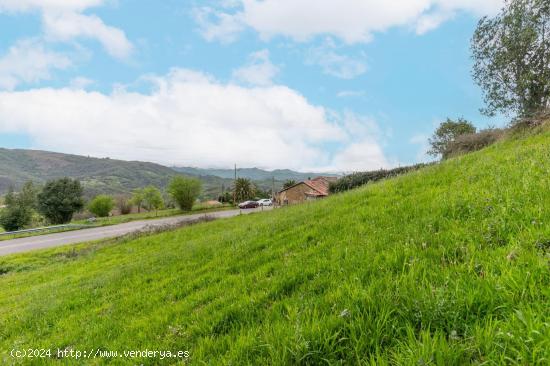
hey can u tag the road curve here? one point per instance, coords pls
(79, 236)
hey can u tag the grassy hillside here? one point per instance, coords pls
(96, 175)
(445, 266)
(109, 176)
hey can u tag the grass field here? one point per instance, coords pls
(120, 219)
(449, 265)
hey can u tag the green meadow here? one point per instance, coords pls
(449, 265)
(121, 219)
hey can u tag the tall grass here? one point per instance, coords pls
(448, 265)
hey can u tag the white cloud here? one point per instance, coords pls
(258, 71)
(363, 150)
(189, 118)
(66, 26)
(352, 21)
(335, 64)
(29, 62)
(360, 156)
(52, 5)
(217, 25)
(63, 21)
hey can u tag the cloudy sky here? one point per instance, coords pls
(303, 84)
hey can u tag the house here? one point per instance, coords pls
(305, 191)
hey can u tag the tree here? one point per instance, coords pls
(138, 198)
(244, 189)
(226, 197)
(289, 183)
(20, 208)
(101, 205)
(28, 195)
(184, 191)
(60, 199)
(152, 198)
(511, 55)
(446, 133)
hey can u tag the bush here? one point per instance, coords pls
(101, 205)
(184, 191)
(226, 197)
(60, 199)
(20, 208)
(472, 142)
(15, 218)
(358, 179)
(447, 132)
(124, 205)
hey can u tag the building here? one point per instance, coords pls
(305, 191)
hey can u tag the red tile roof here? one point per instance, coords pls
(320, 186)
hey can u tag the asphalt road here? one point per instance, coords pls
(79, 236)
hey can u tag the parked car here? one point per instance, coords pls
(249, 204)
(265, 202)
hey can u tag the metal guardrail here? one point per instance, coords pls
(46, 228)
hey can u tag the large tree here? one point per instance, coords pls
(60, 199)
(184, 191)
(511, 53)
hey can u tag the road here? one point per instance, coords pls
(79, 236)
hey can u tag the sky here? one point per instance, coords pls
(338, 86)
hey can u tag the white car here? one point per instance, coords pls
(265, 202)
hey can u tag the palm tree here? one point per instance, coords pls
(289, 183)
(244, 189)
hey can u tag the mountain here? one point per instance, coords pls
(447, 265)
(96, 175)
(252, 173)
(102, 175)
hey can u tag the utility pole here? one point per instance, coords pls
(273, 189)
(235, 187)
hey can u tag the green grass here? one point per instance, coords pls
(120, 219)
(449, 265)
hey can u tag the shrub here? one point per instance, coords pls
(472, 142)
(124, 205)
(226, 197)
(60, 199)
(15, 218)
(20, 208)
(358, 179)
(184, 191)
(448, 132)
(101, 205)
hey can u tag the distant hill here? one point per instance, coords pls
(252, 173)
(96, 175)
(111, 176)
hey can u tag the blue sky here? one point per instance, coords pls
(276, 84)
